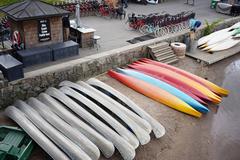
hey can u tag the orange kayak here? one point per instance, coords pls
(155, 93)
(178, 87)
(179, 79)
(213, 87)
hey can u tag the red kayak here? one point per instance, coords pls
(213, 87)
(178, 87)
(178, 79)
(155, 93)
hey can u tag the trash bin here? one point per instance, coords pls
(179, 49)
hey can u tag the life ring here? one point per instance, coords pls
(16, 38)
(179, 49)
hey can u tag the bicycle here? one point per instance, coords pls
(160, 24)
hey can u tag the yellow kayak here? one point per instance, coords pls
(213, 87)
(175, 76)
(155, 93)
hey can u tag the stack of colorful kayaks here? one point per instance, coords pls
(220, 40)
(171, 86)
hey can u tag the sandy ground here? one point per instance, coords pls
(187, 138)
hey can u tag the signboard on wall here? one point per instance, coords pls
(44, 30)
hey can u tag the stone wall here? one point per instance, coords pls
(39, 80)
(30, 29)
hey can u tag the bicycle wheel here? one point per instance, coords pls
(165, 30)
(185, 24)
(159, 32)
(144, 29)
(176, 28)
(170, 28)
(156, 29)
(181, 26)
(129, 26)
(151, 29)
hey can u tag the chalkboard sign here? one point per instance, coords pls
(44, 31)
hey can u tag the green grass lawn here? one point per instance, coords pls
(7, 2)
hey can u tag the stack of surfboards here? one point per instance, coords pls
(220, 40)
(170, 86)
(80, 120)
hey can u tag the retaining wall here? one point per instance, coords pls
(39, 80)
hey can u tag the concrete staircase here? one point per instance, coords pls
(162, 52)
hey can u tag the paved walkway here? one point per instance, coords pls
(114, 33)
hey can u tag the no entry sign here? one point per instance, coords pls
(44, 31)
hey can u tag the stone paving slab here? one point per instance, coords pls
(208, 58)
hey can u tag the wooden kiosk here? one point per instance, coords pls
(40, 29)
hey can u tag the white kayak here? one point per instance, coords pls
(158, 129)
(205, 39)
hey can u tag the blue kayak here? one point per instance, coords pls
(163, 85)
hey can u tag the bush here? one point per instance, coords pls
(7, 2)
(211, 27)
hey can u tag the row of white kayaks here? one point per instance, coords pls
(220, 40)
(80, 120)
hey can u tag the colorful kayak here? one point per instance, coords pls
(155, 93)
(173, 80)
(179, 79)
(172, 90)
(213, 87)
(178, 87)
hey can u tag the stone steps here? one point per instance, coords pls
(166, 49)
(158, 46)
(162, 52)
(170, 60)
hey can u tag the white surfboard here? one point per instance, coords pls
(205, 39)
(229, 43)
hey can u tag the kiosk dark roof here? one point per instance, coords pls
(32, 9)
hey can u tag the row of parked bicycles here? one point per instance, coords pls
(160, 24)
(92, 7)
(4, 29)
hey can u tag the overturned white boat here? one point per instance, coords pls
(142, 135)
(125, 149)
(72, 133)
(106, 146)
(41, 139)
(101, 115)
(70, 148)
(158, 129)
(131, 114)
